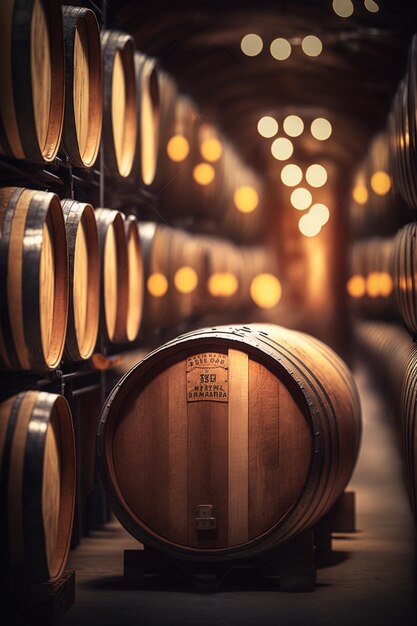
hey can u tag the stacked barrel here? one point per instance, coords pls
(383, 276)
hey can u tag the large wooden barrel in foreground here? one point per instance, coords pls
(114, 283)
(32, 80)
(33, 279)
(84, 88)
(120, 120)
(229, 441)
(37, 466)
(84, 279)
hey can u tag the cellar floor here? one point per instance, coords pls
(371, 580)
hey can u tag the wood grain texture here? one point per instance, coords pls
(41, 72)
(238, 447)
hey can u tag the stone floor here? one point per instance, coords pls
(371, 580)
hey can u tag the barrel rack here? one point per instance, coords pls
(291, 567)
(46, 603)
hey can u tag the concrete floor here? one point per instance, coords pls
(371, 580)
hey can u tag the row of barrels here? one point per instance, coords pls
(394, 358)
(384, 190)
(65, 270)
(38, 478)
(383, 277)
(68, 272)
(67, 86)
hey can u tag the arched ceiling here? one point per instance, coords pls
(351, 82)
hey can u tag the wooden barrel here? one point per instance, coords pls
(84, 87)
(120, 119)
(406, 275)
(33, 279)
(135, 276)
(226, 442)
(409, 426)
(84, 279)
(148, 119)
(37, 461)
(32, 79)
(175, 270)
(114, 275)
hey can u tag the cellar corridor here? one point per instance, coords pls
(370, 581)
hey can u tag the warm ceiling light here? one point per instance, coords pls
(312, 46)
(203, 174)
(246, 199)
(381, 183)
(293, 125)
(291, 175)
(360, 194)
(251, 45)
(211, 149)
(321, 128)
(356, 286)
(185, 279)
(265, 290)
(157, 284)
(267, 126)
(222, 284)
(280, 49)
(371, 6)
(343, 8)
(178, 148)
(301, 198)
(320, 213)
(316, 175)
(282, 149)
(308, 226)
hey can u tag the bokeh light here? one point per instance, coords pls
(178, 148)
(291, 175)
(321, 128)
(301, 198)
(360, 194)
(343, 8)
(251, 45)
(267, 126)
(157, 284)
(311, 46)
(211, 149)
(203, 174)
(316, 175)
(265, 290)
(356, 286)
(282, 149)
(222, 284)
(380, 183)
(185, 279)
(246, 199)
(280, 49)
(293, 125)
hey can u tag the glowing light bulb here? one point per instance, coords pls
(343, 8)
(178, 148)
(211, 149)
(381, 183)
(356, 286)
(203, 174)
(157, 284)
(267, 126)
(301, 198)
(291, 175)
(360, 194)
(316, 175)
(293, 125)
(265, 290)
(321, 128)
(280, 49)
(251, 45)
(282, 149)
(246, 199)
(312, 46)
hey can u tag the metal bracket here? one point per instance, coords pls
(205, 519)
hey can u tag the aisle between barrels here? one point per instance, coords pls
(369, 580)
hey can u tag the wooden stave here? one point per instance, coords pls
(111, 42)
(23, 115)
(40, 205)
(314, 398)
(131, 230)
(71, 17)
(30, 560)
(74, 213)
(105, 218)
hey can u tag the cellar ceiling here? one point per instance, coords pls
(351, 82)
